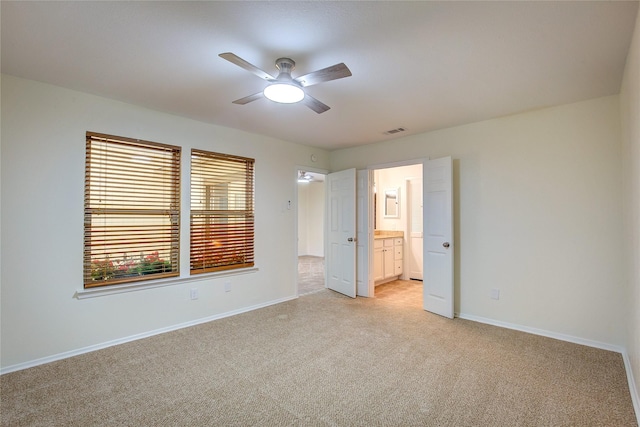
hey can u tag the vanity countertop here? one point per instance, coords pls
(386, 234)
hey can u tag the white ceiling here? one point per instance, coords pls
(417, 65)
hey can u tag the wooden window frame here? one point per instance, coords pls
(222, 216)
(131, 210)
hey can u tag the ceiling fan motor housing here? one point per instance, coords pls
(285, 66)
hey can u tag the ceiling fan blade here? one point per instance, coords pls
(235, 59)
(334, 72)
(248, 99)
(314, 104)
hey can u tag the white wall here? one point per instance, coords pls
(315, 220)
(311, 219)
(538, 209)
(43, 149)
(394, 178)
(630, 112)
(303, 196)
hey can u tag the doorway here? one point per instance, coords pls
(398, 234)
(311, 233)
(437, 220)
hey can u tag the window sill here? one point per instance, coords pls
(151, 284)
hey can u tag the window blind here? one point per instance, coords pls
(222, 212)
(131, 210)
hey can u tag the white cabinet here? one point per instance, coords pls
(378, 260)
(397, 256)
(387, 259)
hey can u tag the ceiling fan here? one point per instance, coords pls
(284, 88)
(304, 177)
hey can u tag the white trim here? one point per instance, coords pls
(371, 226)
(635, 399)
(310, 169)
(399, 164)
(542, 332)
(77, 352)
(138, 286)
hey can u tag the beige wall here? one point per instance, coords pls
(537, 215)
(630, 112)
(303, 201)
(43, 149)
(311, 219)
(395, 177)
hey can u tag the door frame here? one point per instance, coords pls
(364, 235)
(409, 205)
(418, 161)
(296, 225)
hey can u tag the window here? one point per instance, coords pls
(222, 212)
(131, 210)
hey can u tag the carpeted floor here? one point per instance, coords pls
(327, 360)
(310, 274)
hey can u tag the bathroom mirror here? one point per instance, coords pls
(392, 202)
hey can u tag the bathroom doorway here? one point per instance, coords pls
(311, 233)
(398, 234)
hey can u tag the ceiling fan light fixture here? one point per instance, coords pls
(284, 93)
(304, 177)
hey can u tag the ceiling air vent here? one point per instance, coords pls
(394, 131)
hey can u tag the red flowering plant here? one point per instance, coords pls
(126, 267)
(102, 269)
(129, 267)
(152, 264)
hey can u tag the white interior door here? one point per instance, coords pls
(341, 225)
(415, 244)
(364, 226)
(438, 241)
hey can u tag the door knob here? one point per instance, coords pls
(445, 244)
(351, 239)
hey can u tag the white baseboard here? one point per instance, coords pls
(632, 388)
(77, 352)
(569, 338)
(542, 332)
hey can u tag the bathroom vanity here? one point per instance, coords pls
(387, 256)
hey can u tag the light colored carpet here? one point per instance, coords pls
(327, 360)
(310, 274)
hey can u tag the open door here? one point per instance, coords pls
(364, 224)
(438, 237)
(341, 232)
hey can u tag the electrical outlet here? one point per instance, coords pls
(193, 293)
(227, 286)
(495, 294)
